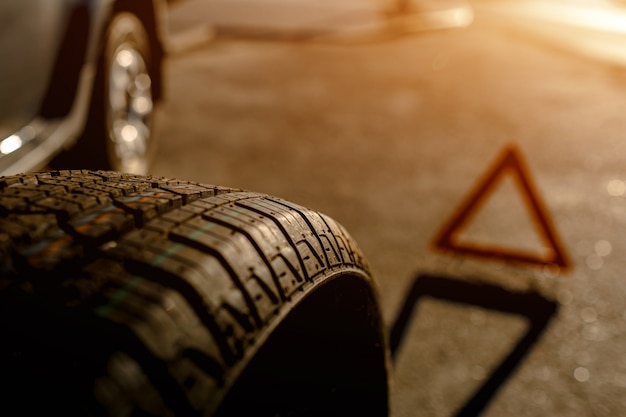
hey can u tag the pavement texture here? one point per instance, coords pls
(389, 134)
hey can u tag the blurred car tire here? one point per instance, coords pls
(133, 295)
(118, 133)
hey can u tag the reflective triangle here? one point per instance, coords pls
(511, 164)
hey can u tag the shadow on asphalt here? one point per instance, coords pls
(533, 306)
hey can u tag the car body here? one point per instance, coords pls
(51, 53)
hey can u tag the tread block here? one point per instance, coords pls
(28, 229)
(313, 264)
(178, 216)
(288, 277)
(200, 279)
(61, 206)
(109, 190)
(12, 180)
(267, 238)
(160, 318)
(190, 192)
(333, 248)
(294, 222)
(198, 387)
(351, 254)
(103, 198)
(237, 255)
(48, 253)
(165, 310)
(149, 204)
(101, 224)
(13, 204)
(231, 197)
(49, 190)
(289, 224)
(27, 195)
(323, 230)
(199, 206)
(126, 385)
(160, 225)
(150, 322)
(84, 201)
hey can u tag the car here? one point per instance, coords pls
(79, 83)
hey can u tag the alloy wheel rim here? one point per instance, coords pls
(130, 109)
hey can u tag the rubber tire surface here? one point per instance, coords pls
(132, 295)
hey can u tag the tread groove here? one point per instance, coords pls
(195, 300)
(283, 230)
(308, 222)
(155, 369)
(266, 289)
(256, 246)
(291, 267)
(191, 242)
(209, 365)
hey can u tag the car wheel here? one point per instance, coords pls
(119, 130)
(133, 295)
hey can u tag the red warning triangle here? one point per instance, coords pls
(509, 164)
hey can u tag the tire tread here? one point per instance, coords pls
(188, 277)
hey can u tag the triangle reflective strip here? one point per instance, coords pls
(509, 163)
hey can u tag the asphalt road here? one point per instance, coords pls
(388, 135)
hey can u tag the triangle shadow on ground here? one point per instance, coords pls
(537, 309)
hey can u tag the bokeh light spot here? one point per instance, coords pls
(582, 374)
(594, 262)
(588, 314)
(603, 248)
(616, 187)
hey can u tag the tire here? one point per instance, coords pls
(118, 134)
(125, 295)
